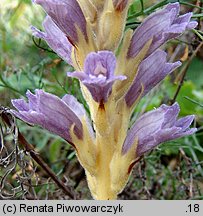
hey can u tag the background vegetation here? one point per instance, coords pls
(172, 171)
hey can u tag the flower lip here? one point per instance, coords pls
(160, 26)
(50, 112)
(66, 15)
(158, 126)
(98, 75)
(102, 62)
(55, 38)
(151, 71)
(100, 70)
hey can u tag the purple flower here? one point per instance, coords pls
(120, 5)
(67, 15)
(55, 38)
(158, 126)
(98, 75)
(151, 71)
(160, 26)
(52, 113)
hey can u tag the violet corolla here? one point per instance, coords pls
(87, 34)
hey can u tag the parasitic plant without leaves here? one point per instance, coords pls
(87, 34)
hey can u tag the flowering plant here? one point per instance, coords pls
(116, 69)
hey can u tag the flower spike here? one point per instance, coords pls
(87, 34)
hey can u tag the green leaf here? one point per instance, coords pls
(54, 150)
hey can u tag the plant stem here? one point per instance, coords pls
(183, 73)
(29, 148)
(104, 191)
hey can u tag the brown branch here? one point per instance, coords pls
(29, 148)
(183, 73)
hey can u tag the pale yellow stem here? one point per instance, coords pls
(112, 168)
